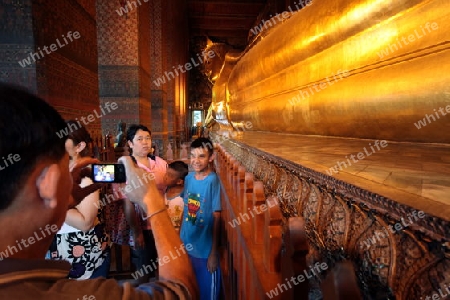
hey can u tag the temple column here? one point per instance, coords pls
(158, 91)
(124, 62)
(169, 47)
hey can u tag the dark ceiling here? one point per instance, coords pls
(224, 21)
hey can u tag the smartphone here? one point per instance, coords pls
(108, 173)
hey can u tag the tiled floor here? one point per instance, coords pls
(414, 174)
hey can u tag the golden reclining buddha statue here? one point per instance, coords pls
(353, 71)
(360, 69)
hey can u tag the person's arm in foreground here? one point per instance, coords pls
(166, 237)
(213, 258)
(84, 215)
(78, 172)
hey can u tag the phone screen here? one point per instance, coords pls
(108, 173)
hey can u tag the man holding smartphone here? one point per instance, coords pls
(34, 193)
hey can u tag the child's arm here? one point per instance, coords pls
(132, 219)
(213, 259)
(184, 208)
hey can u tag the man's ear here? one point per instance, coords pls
(47, 184)
(81, 146)
(212, 157)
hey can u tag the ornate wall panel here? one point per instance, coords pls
(156, 42)
(17, 41)
(118, 41)
(171, 61)
(67, 76)
(124, 61)
(57, 45)
(347, 222)
(119, 84)
(158, 66)
(144, 63)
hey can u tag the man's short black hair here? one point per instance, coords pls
(204, 143)
(180, 167)
(31, 131)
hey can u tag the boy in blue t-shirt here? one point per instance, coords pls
(201, 218)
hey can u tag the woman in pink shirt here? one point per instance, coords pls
(143, 249)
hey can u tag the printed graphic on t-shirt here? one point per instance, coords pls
(193, 207)
(175, 214)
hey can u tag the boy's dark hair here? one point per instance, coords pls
(204, 143)
(79, 135)
(31, 129)
(131, 132)
(181, 167)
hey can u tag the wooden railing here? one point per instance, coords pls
(102, 147)
(262, 251)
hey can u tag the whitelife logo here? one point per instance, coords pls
(22, 244)
(243, 217)
(146, 269)
(90, 118)
(124, 10)
(411, 38)
(318, 87)
(280, 17)
(11, 158)
(423, 122)
(397, 227)
(183, 68)
(360, 156)
(39, 54)
(281, 287)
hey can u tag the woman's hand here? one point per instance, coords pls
(78, 172)
(84, 215)
(139, 243)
